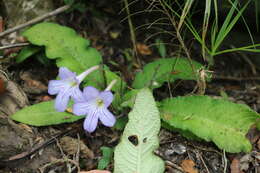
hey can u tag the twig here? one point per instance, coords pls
(36, 148)
(201, 158)
(169, 163)
(36, 20)
(44, 167)
(250, 63)
(132, 34)
(14, 45)
(235, 78)
(225, 161)
(78, 149)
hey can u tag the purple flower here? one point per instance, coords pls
(95, 107)
(67, 87)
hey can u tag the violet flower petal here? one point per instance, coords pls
(106, 117)
(90, 93)
(90, 123)
(107, 97)
(62, 100)
(55, 86)
(81, 108)
(76, 94)
(65, 73)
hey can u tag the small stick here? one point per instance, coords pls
(36, 20)
(225, 161)
(1, 24)
(14, 45)
(204, 164)
(231, 78)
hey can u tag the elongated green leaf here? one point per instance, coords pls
(218, 120)
(63, 44)
(43, 114)
(156, 73)
(129, 98)
(140, 138)
(26, 53)
(161, 47)
(107, 154)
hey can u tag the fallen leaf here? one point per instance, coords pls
(95, 171)
(143, 49)
(1, 24)
(2, 86)
(188, 166)
(26, 127)
(13, 98)
(45, 98)
(235, 166)
(70, 145)
(245, 162)
(31, 84)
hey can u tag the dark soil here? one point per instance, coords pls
(25, 149)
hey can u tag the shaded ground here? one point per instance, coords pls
(234, 74)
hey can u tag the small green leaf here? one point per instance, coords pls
(129, 98)
(63, 44)
(140, 138)
(43, 114)
(41, 57)
(121, 123)
(161, 48)
(218, 120)
(156, 73)
(26, 53)
(107, 153)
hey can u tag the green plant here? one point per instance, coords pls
(134, 153)
(154, 74)
(218, 120)
(69, 50)
(107, 154)
(217, 35)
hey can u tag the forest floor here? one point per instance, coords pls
(233, 74)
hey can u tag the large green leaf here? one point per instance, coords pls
(63, 44)
(43, 114)
(156, 73)
(72, 51)
(218, 120)
(134, 153)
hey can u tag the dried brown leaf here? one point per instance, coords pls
(2, 86)
(1, 24)
(143, 49)
(188, 166)
(235, 166)
(70, 146)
